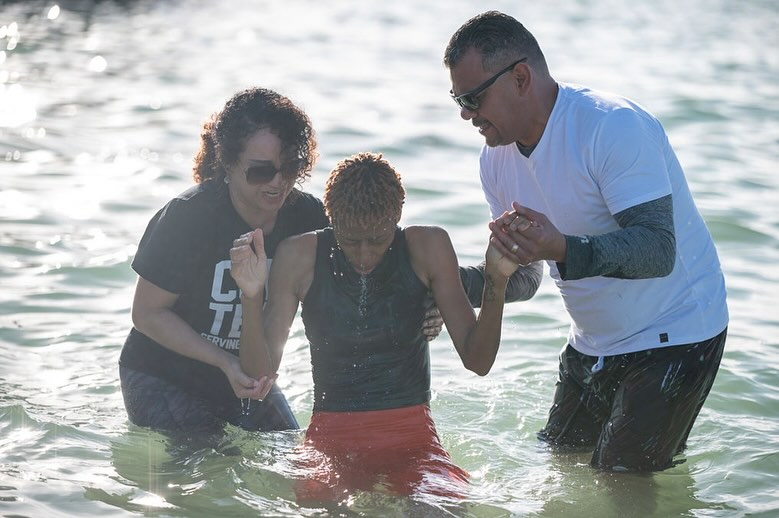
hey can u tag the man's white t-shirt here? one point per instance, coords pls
(601, 154)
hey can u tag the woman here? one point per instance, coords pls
(179, 367)
(363, 284)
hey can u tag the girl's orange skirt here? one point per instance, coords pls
(396, 451)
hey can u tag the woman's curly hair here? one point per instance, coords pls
(363, 190)
(223, 137)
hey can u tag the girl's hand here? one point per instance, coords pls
(249, 264)
(498, 262)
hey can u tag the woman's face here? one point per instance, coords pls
(364, 247)
(256, 183)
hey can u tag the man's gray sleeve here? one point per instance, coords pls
(522, 285)
(644, 247)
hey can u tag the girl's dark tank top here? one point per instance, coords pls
(365, 332)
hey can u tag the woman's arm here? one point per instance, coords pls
(153, 315)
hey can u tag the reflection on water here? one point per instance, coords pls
(671, 493)
(100, 107)
(170, 478)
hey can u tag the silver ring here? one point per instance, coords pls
(514, 248)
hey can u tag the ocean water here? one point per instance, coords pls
(100, 108)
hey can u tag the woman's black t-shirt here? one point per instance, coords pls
(186, 250)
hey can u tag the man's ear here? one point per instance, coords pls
(522, 78)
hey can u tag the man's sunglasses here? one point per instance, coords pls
(470, 100)
(265, 172)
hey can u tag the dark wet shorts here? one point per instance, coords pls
(157, 403)
(638, 409)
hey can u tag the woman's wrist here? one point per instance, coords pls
(225, 360)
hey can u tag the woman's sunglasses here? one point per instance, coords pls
(261, 173)
(265, 172)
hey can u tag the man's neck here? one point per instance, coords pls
(525, 150)
(547, 105)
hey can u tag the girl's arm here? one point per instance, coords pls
(265, 329)
(476, 339)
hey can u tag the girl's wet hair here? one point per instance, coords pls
(363, 190)
(223, 137)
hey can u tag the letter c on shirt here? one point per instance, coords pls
(216, 289)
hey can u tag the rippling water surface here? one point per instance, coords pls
(100, 107)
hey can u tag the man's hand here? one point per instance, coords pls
(433, 323)
(524, 235)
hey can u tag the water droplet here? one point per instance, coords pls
(363, 305)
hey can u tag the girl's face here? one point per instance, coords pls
(256, 181)
(364, 247)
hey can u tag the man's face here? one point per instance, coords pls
(492, 116)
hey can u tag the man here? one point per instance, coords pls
(614, 219)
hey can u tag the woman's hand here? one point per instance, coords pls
(249, 264)
(243, 385)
